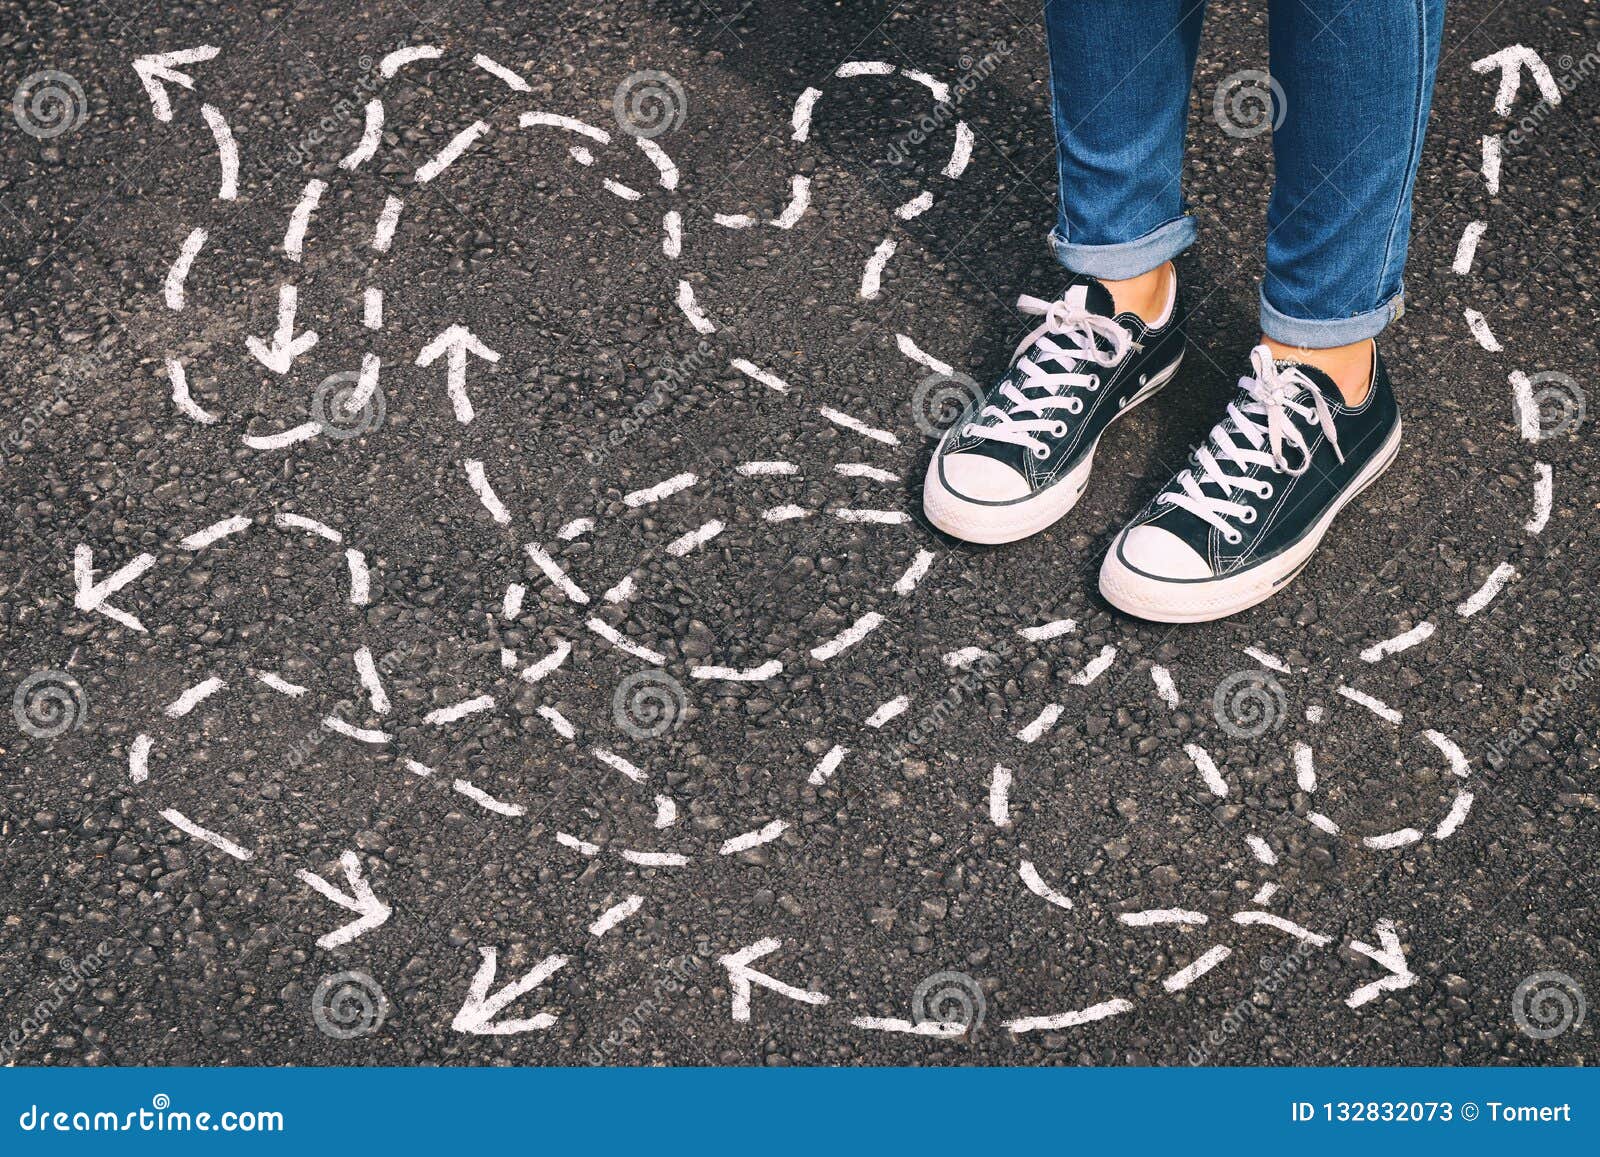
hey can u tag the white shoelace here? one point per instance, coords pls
(1263, 419)
(1023, 417)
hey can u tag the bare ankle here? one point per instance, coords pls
(1350, 366)
(1146, 295)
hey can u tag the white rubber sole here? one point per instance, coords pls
(993, 523)
(1202, 600)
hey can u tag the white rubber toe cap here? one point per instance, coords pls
(1163, 554)
(980, 478)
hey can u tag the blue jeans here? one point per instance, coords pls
(1347, 102)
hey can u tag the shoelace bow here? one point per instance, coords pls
(1265, 417)
(1029, 404)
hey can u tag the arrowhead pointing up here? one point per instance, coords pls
(479, 1010)
(1392, 956)
(455, 344)
(91, 596)
(371, 911)
(1510, 61)
(162, 66)
(285, 347)
(741, 976)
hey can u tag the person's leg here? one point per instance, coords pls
(1315, 421)
(1019, 457)
(1120, 72)
(1356, 83)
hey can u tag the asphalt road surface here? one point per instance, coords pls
(452, 687)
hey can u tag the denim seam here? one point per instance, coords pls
(1413, 158)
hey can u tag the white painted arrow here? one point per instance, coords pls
(286, 346)
(1511, 61)
(91, 596)
(741, 976)
(1391, 956)
(457, 342)
(479, 1010)
(163, 66)
(370, 910)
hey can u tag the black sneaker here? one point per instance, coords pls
(1020, 456)
(1257, 497)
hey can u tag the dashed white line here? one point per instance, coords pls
(615, 915)
(1046, 631)
(762, 835)
(1035, 884)
(889, 710)
(184, 824)
(558, 577)
(294, 238)
(1417, 634)
(1207, 767)
(217, 531)
(660, 490)
(756, 373)
(859, 427)
(488, 802)
(847, 638)
(441, 716)
(178, 273)
(1193, 971)
(1484, 595)
(193, 697)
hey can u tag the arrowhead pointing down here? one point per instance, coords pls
(479, 1009)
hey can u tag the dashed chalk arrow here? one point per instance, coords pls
(741, 976)
(286, 346)
(91, 596)
(1511, 61)
(1391, 956)
(370, 911)
(456, 343)
(162, 67)
(478, 1012)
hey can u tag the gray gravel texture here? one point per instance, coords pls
(891, 872)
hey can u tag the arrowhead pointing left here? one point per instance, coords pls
(479, 1009)
(1511, 61)
(741, 976)
(370, 910)
(91, 596)
(1392, 956)
(162, 66)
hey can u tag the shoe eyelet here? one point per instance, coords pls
(1249, 516)
(1266, 490)
(1075, 406)
(1233, 539)
(1094, 382)
(1059, 430)
(1040, 453)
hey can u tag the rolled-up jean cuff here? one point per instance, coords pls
(1316, 335)
(1126, 258)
